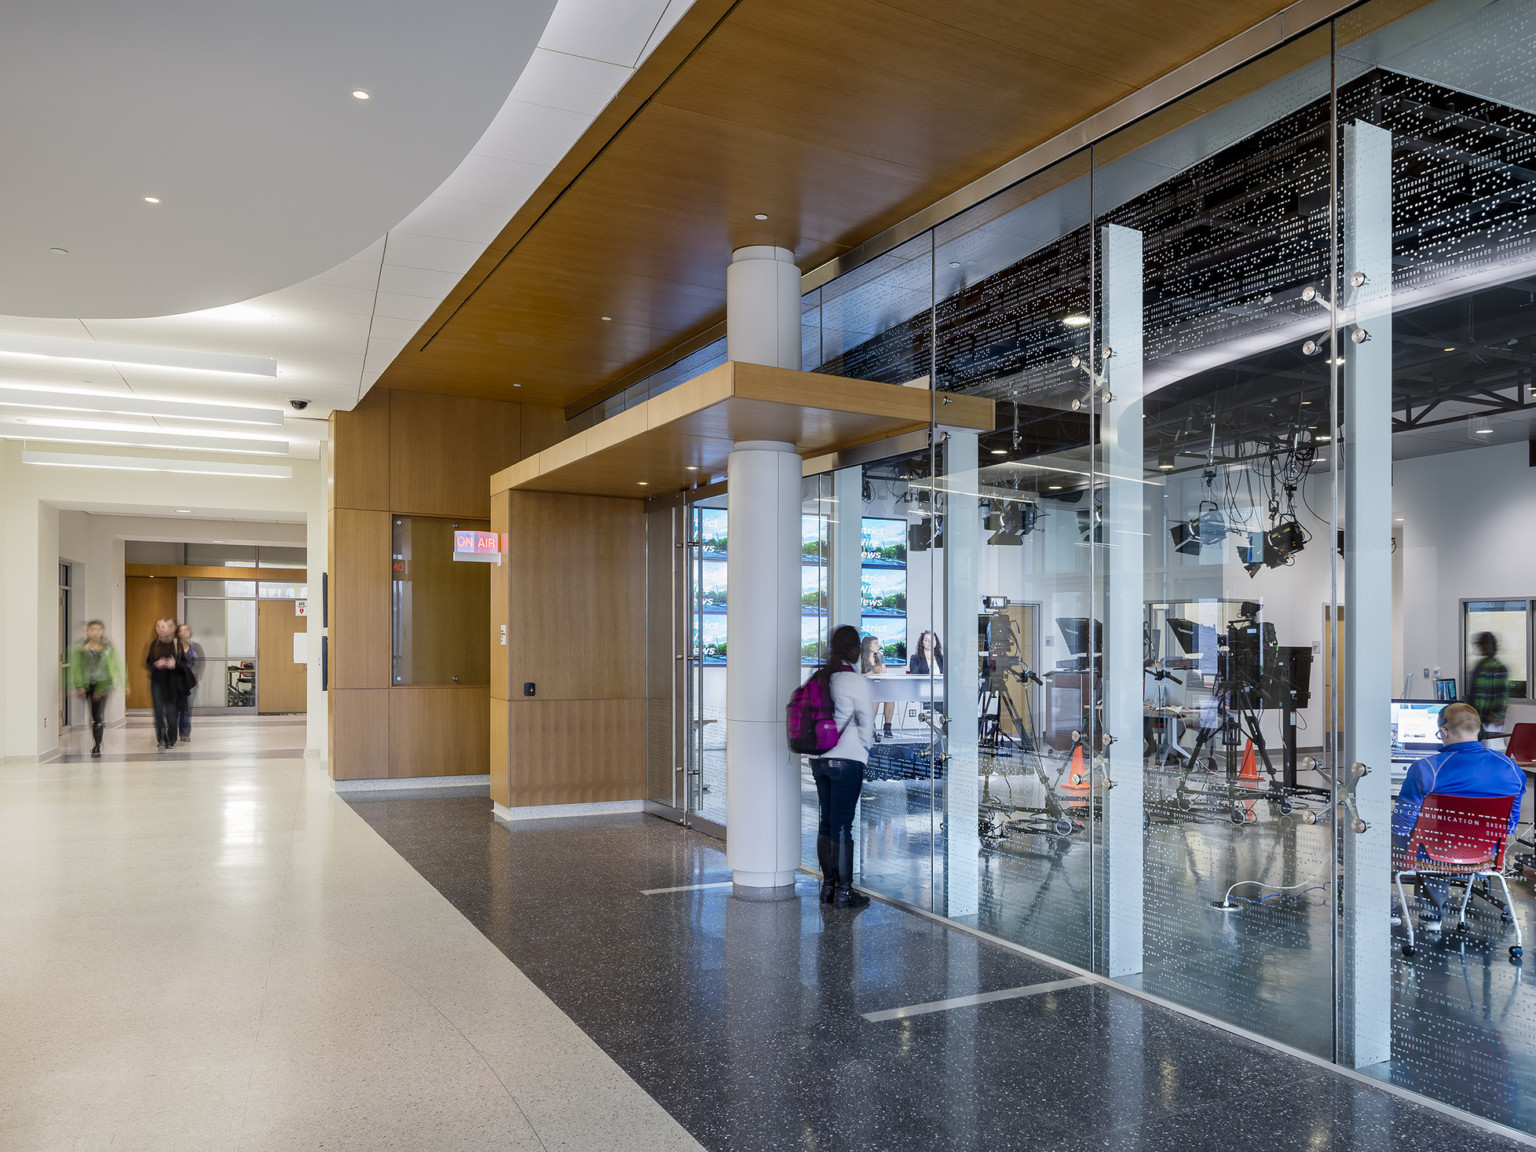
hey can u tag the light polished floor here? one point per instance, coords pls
(750, 1022)
(208, 950)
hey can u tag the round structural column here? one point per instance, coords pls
(762, 663)
(762, 307)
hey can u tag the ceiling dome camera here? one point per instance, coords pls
(298, 405)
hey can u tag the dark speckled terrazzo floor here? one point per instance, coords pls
(743, 1019)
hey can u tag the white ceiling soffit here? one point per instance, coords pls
(240, 118)
(335, 332)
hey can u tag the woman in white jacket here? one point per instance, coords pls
(839, 775)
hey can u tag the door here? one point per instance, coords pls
(145, 600)
(281, 684)
(685, 670)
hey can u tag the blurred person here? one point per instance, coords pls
(1462, 767)
(1488, 686)
(872, 663)
(165, 658)
(839, 774)
(193, 654)
(928, 660)
(96, 669)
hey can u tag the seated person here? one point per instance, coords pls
(1462, 767)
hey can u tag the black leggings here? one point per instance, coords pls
(98, 702)
(838, 783)
(164, 698)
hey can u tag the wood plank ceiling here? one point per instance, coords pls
(836, 120)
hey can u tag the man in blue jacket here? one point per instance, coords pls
(1462, 767)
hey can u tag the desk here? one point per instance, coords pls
(898, 687)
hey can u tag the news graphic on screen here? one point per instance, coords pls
(475, 545)
(1416, 724)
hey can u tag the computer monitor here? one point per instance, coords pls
(1416, 726)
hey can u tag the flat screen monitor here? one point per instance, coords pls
(1416, 725)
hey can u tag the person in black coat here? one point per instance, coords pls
(166, 660)
(929, 657)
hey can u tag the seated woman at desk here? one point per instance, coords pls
(928, 660)
(872, 663)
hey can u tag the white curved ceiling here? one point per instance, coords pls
(240, 118)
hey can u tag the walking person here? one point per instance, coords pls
(1488, 687)
(96, 670)
(165, 660)
(192, 653)
(839, 774)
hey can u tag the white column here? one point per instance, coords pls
(1124, 562)
(762, 307)
(762, 663)
(1367, 459)
(962, 671)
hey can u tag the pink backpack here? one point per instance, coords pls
(809, 717)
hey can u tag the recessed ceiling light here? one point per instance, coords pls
(760, 216)
(184, 510)
(17, 344)
(359, 94)
(999, 451)
(607, 317)
(1451, 349)
(59, 251)
(1398, 520)
(152, 200)
(954, 263)
(643, 483)
(1482, 431)
(215, 541)
(692, 467)
(517, 385)
(1076, 320)
(1054, 487)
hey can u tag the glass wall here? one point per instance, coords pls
(440, 607)
(1252, 513)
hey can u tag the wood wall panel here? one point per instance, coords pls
(145, 600)
(576, 602)
(499, 743)
(360, 599)
(500, 512)
(359, 458)
(575, 752)
(436, 731)
(443, 450)
(359, 733)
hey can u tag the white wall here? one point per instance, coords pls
(1468, 531)
(82, 516)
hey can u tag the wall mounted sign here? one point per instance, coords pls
(474, 545)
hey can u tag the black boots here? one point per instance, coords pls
(845, 896)
(826, 854)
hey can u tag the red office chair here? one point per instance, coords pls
(1462, 838)
(1522, 745)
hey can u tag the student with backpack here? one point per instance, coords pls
(831, 718)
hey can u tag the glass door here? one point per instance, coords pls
(686, 541)
(703, 798)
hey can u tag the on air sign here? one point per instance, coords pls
(474, 545)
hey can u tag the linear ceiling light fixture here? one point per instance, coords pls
(150, 464)
(14, 344)
(124, 405)
(59, 432)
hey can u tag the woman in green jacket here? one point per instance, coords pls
(95, 669)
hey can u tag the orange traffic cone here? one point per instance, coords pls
(1250, 768)
(1077, 772)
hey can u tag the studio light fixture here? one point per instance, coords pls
(1165, 463)
(150, 464)
(53, 347)
(123, 405)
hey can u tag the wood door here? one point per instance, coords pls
(145, 600)
(280, 682)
